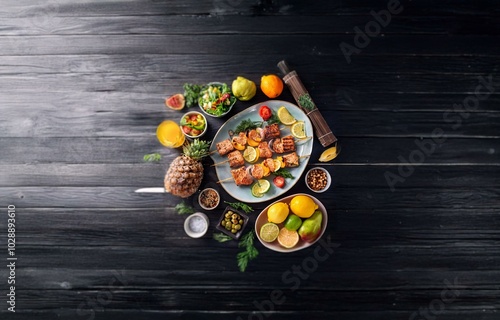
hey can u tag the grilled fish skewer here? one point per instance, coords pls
(235, 159)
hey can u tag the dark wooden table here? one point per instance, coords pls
(414, 205)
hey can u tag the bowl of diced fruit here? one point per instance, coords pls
(193, 124)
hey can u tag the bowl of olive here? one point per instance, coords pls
(232, 222)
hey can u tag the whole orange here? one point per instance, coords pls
(271, 85)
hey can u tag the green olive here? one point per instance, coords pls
(234, 230)
(241, 221)
(223, 223)
(228, 214)
(237, 227)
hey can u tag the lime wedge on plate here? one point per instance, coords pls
(260, 188)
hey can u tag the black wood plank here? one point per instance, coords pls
(139, 174)
(324, 45)
(220, 8)
(341, 198)
(192, 64)
(118, 123)
(396, 228)
(282, 24)
(118, 150)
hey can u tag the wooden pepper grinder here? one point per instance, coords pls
(305, 102)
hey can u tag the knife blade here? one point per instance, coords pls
(151, 190)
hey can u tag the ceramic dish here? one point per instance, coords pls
(221, 228)
(326, 183)
(206, 96)
(209, 196)
(193, 124)
(275, 246)
(196, 225)
(223, 171)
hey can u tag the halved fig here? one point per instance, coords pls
(176, 102)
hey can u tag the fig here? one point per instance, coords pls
(176, 102)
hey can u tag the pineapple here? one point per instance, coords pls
(186, 171)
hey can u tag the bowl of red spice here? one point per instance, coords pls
(318, 179)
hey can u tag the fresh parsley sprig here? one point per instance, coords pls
(152, 157)
(240, 205)
(246, 125)
(221, 237)
(273, 119)
(249, 253)
(191, 94)
(184, 208)
(284, 173)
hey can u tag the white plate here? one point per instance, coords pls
(304, 148)
(275, 246)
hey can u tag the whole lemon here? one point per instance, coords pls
(271, 85)
(278, 212)
(303, 206)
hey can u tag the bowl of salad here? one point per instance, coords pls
(216, 99)
(193, 124)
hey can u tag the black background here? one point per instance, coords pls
(82, 85)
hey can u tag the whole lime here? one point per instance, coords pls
(293, 222)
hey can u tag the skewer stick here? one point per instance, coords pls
(226, 180)
(218, 163)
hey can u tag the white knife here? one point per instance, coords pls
(151, 190)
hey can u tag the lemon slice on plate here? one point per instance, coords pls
(269, 232)
(298, 130)
(329, 154)
(251, 154)
(285, 117)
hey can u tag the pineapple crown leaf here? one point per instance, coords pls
(197, 150)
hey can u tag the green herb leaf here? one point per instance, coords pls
(284, 173)
(191, 94)
(152, 157)
(241, 206)
(184, 208)
(273, 119)
(222, 237)
(249, 253)
(246, 125)
(305, 101)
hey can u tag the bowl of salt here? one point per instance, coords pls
(196, 225)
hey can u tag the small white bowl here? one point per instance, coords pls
(196, 225)
(201, 194)
(328, 179)
(204, 119)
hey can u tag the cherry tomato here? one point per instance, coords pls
(265, 113)
(195, 132)
(279, 181)
(186, 129)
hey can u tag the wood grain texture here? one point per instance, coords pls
(82, 89)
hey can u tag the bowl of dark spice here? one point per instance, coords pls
(318, 179)
(196, 225)
(209, 199)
